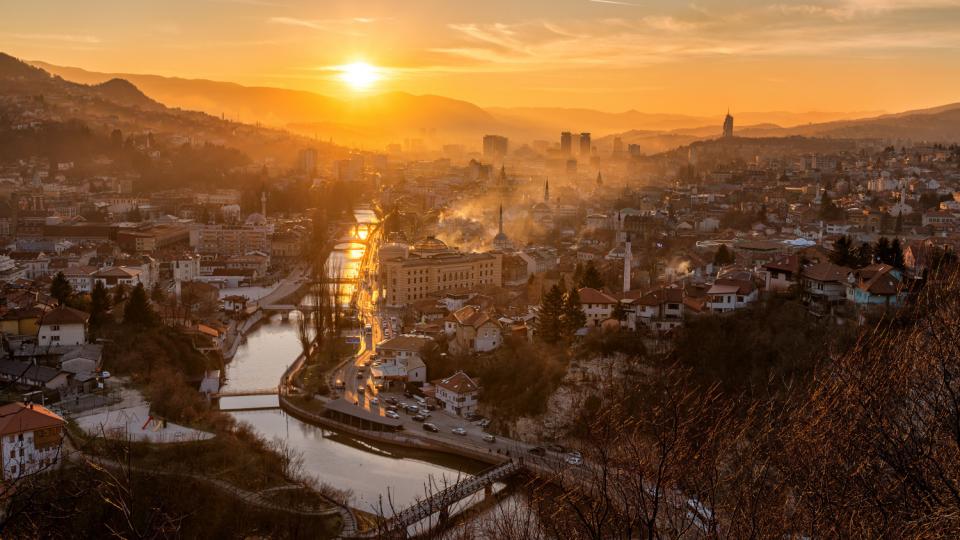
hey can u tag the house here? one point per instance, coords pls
(877, 284)
(457, 394)
(32, 375)
(782, 274)
(824, 283)
(597, 305)
(21, 321)
(31, 438)
(473, 331)
(80, 277)
(235, 303)
(728, 294)
(660, 309)
(63, 326)
(120, 275)
(400, 359)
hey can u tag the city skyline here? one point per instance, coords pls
(841, 55)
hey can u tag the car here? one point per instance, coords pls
(431, 407)
(419, 418)
(431, 427)
(473, 417)
(489, 438)
(411, 409)
(392, 400)
(459, 431)
(424, 413)
(374, 401)
(104, 374)
(392, 414)
(360, 389)
(485, 423)
(340, 385)
(574, 458)
(556, 448)
(407, 393)
(538, 451)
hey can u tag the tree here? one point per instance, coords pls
(723, 256)
(619, 312)
(138, 311)
(99, 307)
(119, 294)
(896, 255)
(829, 210)
(60, 289)
(157, 294)
(573, 317)
(863, 255)
(842, 254)
(548, 321)
(591, 277)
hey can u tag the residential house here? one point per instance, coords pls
(21, 321)
(472, 331)
(597, 305)
(63, 326)
(824, 283)
(782, 274)
(400, 359)
(660, 309)
(728, 294)
(31, 438)
(877, 284)
(457, 394)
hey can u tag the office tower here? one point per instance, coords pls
(494, 146)
(585, 145)
(566, 143)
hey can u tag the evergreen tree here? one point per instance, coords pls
(882, 252)
(842, 253)
(896, 255)
(60, 289)
(863, 255)
(573, 318)
(548, 322)
(157, 294)
(138, 311)
(119, 294)
(723, 256)
(99, 307)
(591, 277)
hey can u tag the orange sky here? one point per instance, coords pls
(653, 56)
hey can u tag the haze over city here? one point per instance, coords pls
(508, 270)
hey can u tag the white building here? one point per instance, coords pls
(457, 394)
(63, 326)
(597, 305)
(400, 359)
(731, 294)
(31, 440)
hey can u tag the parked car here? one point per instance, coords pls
(485, 423)
(419, 418)
(411, 409)
(574, 458)
(489, 438)
(431, 427)
(392, 400)
(459, 431)
(374, 401)
(473, 417)
(538, 451)
(392, 414)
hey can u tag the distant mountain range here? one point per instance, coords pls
(391, 117)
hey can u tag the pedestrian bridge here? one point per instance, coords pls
(241, 393)
(441, 501)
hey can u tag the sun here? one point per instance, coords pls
(359, 75)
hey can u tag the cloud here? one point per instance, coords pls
(614, 2)
(346, 26)
(66, 38)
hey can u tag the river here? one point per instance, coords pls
(372, 471)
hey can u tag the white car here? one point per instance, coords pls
(459, 431)
(574, 458)
(392, 414)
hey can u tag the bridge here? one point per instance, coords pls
(442, 500)
(278, 307)
(242, 393)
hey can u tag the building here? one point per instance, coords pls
(597, 305)
(876, 285)
(728, 126)
(731, 294)
(458, 394)
(31, 439)
(226, 241)
(400, 360)
(566, 143)
(660, 309)
(472, 331)
(500, 241)
(494, 147)
(585, 145)
(824, 283)
(431, 267)
(63, 326)
(782, 274)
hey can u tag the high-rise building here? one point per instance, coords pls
(494, 146)
(728, 126)
(566, 143)
(585, 145)
(308, 160)
(617, 147)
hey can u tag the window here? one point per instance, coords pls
(54, 327)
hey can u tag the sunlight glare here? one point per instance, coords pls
(359, 75)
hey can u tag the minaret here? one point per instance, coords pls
(546, 191)
(263, 203)
(501, 219)
(599, 179)
(627, 256)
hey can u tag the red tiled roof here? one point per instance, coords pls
(18, 418)
(826, 271)
(459, 383)
(589, 295)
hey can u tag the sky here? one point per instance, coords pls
(649, 55)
